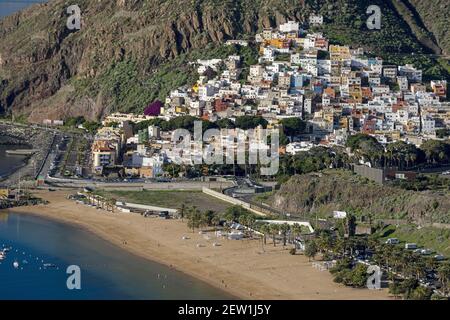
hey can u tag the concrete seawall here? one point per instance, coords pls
(231, 200)
(22, 152)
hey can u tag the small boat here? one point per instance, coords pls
(16, 264)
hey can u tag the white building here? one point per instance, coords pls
(290, 26)
(403, 83)
(154, 132)
(316, 19)
(413, 74)
(428, 125)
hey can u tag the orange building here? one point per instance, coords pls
(278, 43)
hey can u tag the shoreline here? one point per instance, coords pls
(23, 163)
(242, 269)
(109, 240)
(29, 137)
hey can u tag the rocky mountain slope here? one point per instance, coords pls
(129, 52)
(311, 194)
(435, 16)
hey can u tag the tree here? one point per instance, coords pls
(395, 289)
(402, 154)
(194, 218)
(358, 276)
(74, 121)
(250, 223)
(296, 230)
(366, 147)
(182, 211)
(284, 229)
(420, 293)
(324, 241)
(436, 151)
(311, 249)
(233, 213)
(208, 216)
(443, 273)
(111, 202)
(407, 286)
(250, 122)
(274, 229)
(215, 221)
(293, 126)
(265, 230)
(225, 123)
(351, 225)
(443, 133)
(92, 126)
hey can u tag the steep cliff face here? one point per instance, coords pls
(48, 71)
(39, 55)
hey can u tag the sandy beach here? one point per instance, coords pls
(242, 268)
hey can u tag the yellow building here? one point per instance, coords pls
(339, 53)
(278, 43)
(344, 123)
(4, 193)
(180, 109)
(395, 135)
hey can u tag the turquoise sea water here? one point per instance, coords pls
(107, 272)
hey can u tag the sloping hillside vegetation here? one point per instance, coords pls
(321, 193)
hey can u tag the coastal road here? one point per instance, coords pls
(177, 185)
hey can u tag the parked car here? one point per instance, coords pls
(425, 252)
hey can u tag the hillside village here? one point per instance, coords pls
(332, 106)
(337, 90)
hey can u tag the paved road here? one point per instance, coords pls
(177, 185)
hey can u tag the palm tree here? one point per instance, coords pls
(227, 228)
(194, 218)
(251, 223)
(215, 221)
(311, 249)
(325, 242)
(208, 216)
(182, 211)
(443, 273)
(284, 228)
(340, 246)
(274, 229)
(113, 203)
(265, 229)
(296, 230)
(89, 197)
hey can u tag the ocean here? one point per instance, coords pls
(41, 250)
(8, 7)
(10, 163)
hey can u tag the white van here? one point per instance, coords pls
(411, 246)
(392, 241)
